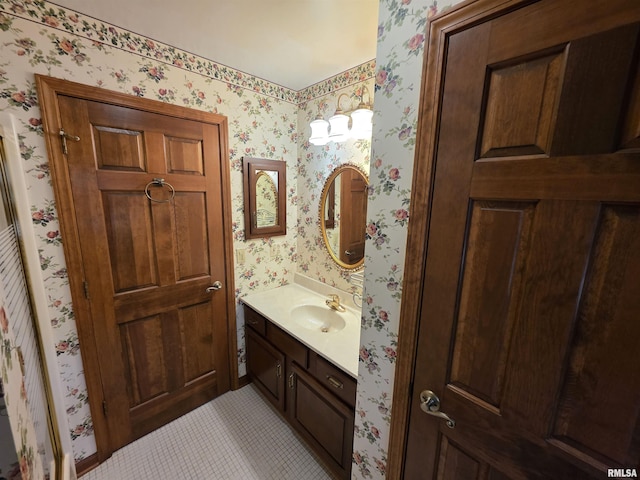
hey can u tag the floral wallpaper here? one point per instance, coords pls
(265, 121)
(15, 397)
(401, 37)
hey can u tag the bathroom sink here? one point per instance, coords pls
(320, 318)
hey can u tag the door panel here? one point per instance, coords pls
(529, 302)
(119, 149)
(497, 237)
(595, 368)
(519, 117)
(162, 338)
(353, 214)
(191, 239)
(131, 242)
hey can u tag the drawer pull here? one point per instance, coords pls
(334, 382)
(253, 322)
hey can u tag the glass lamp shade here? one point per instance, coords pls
(339, 130)
(361, 127)
(319, 132)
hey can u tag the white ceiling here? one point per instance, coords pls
(294, 43)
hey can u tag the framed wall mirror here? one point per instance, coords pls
(265, 197)
(343, 215)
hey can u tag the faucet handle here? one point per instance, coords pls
(334, 297)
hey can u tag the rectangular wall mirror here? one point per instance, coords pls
(265, 197)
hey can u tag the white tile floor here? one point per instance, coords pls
(236, 436)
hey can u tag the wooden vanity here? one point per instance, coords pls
(316, 397)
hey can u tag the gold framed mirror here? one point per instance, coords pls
(343, 215)
(265, 197)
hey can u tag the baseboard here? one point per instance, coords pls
(243, 381)
(87, 464)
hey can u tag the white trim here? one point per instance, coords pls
(34, 278)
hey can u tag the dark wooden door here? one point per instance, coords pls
(530, 316)
(353, 216)
(150, 250)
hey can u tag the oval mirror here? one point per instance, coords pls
(343, 212)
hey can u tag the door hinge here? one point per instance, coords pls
(85, 285)
(65, 136)
(105, 409)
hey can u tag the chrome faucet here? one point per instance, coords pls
(334, 303)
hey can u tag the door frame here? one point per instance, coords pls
(49, 88)
(439, 28)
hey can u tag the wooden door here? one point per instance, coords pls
(353, 216)
(530, 299)
(146, 196)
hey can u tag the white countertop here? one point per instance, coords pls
(339, 347)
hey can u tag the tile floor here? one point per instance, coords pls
(237, 436)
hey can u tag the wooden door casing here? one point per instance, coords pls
(157, 343)
(528, 247)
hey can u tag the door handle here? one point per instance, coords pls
(430, 404)
(217, 285)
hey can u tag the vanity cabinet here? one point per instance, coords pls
(313, 395)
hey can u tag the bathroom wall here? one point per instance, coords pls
(39, 37)
(401, 37)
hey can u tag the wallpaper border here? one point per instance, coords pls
(99, 32)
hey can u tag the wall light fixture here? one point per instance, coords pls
(337, 128)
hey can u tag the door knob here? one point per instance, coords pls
(430, 404)
(217, 285)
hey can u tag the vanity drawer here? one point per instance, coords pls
(255, 320)
(288, 345)
(340, 383)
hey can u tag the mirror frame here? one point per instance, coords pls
(328, 189)
(251, 169)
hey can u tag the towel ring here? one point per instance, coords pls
(160, 183)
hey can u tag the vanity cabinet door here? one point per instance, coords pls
(265, 366)
(323, 420)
